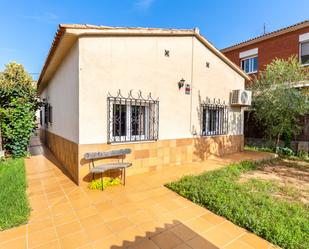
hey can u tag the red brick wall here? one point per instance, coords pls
(282, 47)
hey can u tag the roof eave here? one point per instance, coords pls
(104, 30)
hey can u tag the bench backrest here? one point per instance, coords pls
(106, 154)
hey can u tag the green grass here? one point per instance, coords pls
(250, 204)
(263, 149)
(14, 206)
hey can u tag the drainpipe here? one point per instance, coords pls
(192, 131)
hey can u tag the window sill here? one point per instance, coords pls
(252, 72)
(133, 142)
(304, 65)
(221, 135)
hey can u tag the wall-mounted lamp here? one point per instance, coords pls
(181, 83)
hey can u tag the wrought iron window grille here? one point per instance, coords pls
(132, 118)
(214, 117)
(46, 114)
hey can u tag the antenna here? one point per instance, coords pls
(264, 29)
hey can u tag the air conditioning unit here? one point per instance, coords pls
(241, 98)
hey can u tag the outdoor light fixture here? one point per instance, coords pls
(181, 83)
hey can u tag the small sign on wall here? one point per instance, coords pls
(187, 89)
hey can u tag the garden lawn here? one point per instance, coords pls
(14, 206)
(250, 204)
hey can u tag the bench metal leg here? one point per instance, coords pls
(102, 180)
(124, 176)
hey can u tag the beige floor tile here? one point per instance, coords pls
(166, 240)
(41, 237)
(118, 224)
(144, 244)
(38, 215)
(40, 225)
(140, 217)
(68, 228)
(64, 218)
(130, 236)
(80, 203)
(171, 205)
(183, 232)
(111, 214)
(50, 245)
(86, 211)
(109, 242)
(183, 246)
(74, 240)
(237, 244)
(19, 243)
(60, 208)
(217, 237)
(213, 219)
(87, 246)
(152, 228)
(13, 233)
(254, 241)
(91, 221)
(99, 232)
(199, 242)
(183, 214)
(199, 224)
(231, 229)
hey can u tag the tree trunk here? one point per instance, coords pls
(0, 140)
(278, 141)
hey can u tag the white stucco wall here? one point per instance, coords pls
(107, 64)
(62, 94)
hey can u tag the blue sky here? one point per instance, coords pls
(28, 27)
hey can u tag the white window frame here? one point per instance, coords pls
(250, 63)
(300, 43)
(129, 137)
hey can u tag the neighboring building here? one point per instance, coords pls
(253, 56)
(163, 93)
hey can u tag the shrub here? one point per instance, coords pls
(97, 184)
(18, 104)
(17, 125)
(285, 151)
(249, 205)
(302, 154)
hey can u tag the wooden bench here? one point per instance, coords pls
(100, 169)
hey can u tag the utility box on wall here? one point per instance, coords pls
(187, 89)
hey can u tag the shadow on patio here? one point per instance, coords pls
(171, 235)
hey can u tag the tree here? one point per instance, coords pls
(276, 102)
(18, 105)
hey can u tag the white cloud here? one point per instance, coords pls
(143, 4)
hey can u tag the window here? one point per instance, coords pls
(46, 114)
(214, 119)
(250, 64)
(50, 113)
(304, 53)
(132, 119)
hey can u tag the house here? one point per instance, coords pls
(253, 56)
(164, 93)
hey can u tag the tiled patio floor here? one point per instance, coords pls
(141, 215)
